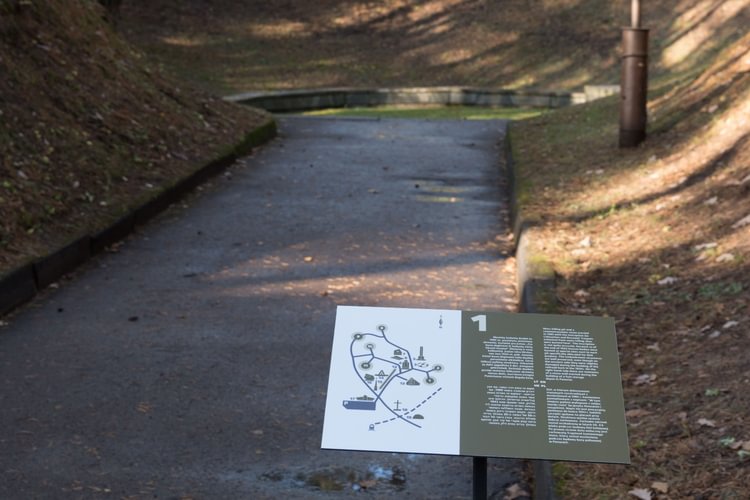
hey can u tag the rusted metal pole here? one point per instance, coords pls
(634, 81)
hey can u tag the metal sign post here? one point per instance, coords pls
(480, 478)
(475, 384)
(634, 80)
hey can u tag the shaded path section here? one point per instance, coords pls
(194, 361)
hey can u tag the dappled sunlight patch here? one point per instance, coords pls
(393, 43)
(699, 27)
(696, 90)
(277, 29)
(387, 287)
(577, 74)
(657, 179)
(434, 8)
(559, 4)
(432, 16)
(453, 56)
(317, 80)
(361, 15)
(577, 78)
(184, 41)
(438, 199)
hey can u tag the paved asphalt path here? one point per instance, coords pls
(193, 361)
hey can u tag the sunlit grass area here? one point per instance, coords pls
(434, 112)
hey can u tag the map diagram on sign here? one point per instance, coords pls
(394, 379)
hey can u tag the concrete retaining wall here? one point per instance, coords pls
(312, 99)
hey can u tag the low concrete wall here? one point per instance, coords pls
(21, 285)
(312, 99)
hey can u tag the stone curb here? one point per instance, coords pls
(311, 99)
(535, 282)
(16, 288)
(20, 285)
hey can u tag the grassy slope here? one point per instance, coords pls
(547, 44)
(667, 257)
(88, 128)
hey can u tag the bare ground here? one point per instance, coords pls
(89, 128)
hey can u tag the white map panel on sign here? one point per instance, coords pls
(395, 381)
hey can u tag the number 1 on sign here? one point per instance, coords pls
(481, 321)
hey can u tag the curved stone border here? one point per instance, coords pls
(312, 99)
(535, 282)
(20, 285)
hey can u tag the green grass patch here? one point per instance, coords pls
(434, 112)
(553, 152)
(715, 290)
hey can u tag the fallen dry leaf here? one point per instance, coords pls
(144, 407)
(704, 422)
(705, 246)
(641, 493)
(742, 222)
(669, 280)
(725, 257)
(515, 491)
(637, 412)
(660, 487)
(646, 378)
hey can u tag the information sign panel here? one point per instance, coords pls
(475, 383)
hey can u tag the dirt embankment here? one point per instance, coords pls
(88, 127)
(659, 238)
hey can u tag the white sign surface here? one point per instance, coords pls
(394, 383)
